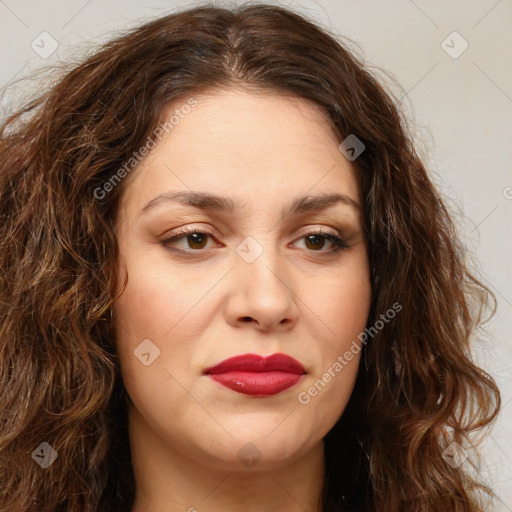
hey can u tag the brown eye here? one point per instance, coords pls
(316, 242)
(196, 240)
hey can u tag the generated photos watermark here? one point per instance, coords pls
(304, 397)
(101, 192)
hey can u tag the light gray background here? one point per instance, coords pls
(462, 108)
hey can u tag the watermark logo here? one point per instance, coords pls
(454, 45)
(147, 352)
(249, 249)
(351, 147)
(44, 455)
(44, 45)
(455, 455)
(249, 454)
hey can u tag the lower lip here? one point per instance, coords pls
(257, 384)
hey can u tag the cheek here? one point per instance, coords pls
(345, 310)
(159, 313)
(153, 353)
(147, 306)
(156, 296)
(325, 396)
(144, 316)
(343, 303)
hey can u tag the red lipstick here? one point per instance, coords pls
(252, 374)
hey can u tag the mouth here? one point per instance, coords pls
(252, 374)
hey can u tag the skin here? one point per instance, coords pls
(262, 150)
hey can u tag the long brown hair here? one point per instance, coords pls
(417, 389)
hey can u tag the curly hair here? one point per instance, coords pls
(418, 389)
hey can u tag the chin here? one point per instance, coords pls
(256, 451)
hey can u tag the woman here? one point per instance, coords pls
(228, 283)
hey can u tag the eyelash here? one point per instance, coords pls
(340, 243)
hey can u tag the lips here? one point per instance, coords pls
(252, 374)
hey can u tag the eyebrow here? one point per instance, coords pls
(211, 202)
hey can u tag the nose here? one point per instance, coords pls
(262, 294)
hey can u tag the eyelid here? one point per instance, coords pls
(322, 229)
(185, 230)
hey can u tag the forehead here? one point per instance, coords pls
(238, 120)
(241, 143)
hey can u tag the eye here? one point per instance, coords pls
(197, 239)
(315, 241)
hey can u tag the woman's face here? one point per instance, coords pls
(254, 279)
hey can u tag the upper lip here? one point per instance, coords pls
(258, 364)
